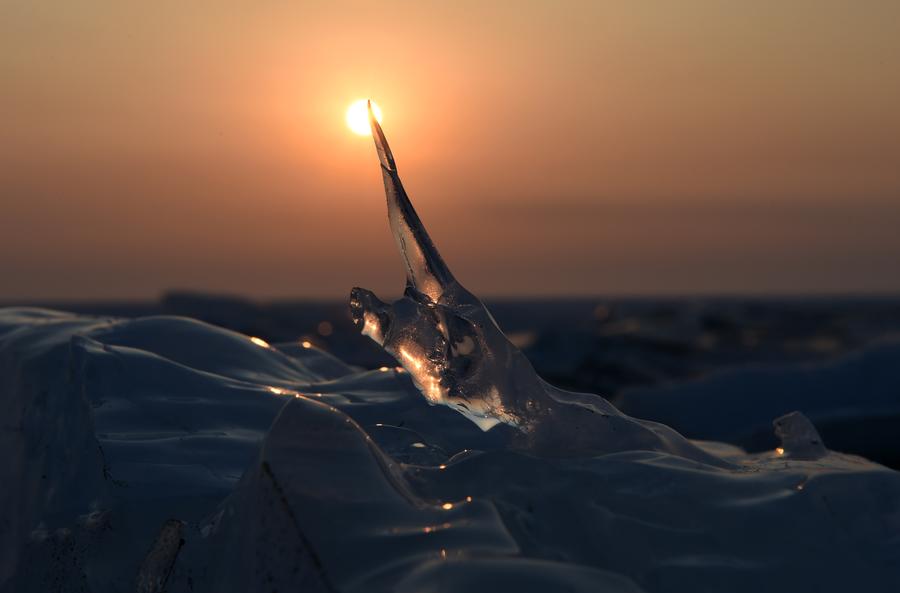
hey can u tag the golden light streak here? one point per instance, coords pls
(412, 360)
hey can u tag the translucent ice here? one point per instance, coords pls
(799, 438)
(457, 355)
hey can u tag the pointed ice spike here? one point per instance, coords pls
(425, 269)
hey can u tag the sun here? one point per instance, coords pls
(358, 117)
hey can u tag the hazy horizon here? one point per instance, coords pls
(573, 149)
(490, 298)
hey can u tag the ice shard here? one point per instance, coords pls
(457, 355)
(426, 271)
(799, 438)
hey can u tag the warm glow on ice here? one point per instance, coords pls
(358, 117)
(415, 362)
(260, 342)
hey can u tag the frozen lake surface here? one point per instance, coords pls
(164, 453)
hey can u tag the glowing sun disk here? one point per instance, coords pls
(358, 117)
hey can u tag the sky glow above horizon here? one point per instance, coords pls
(567, 149)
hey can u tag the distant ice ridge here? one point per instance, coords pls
(854, 401)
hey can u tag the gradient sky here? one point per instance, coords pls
(550, 147)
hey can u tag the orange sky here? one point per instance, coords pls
(550, 147)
